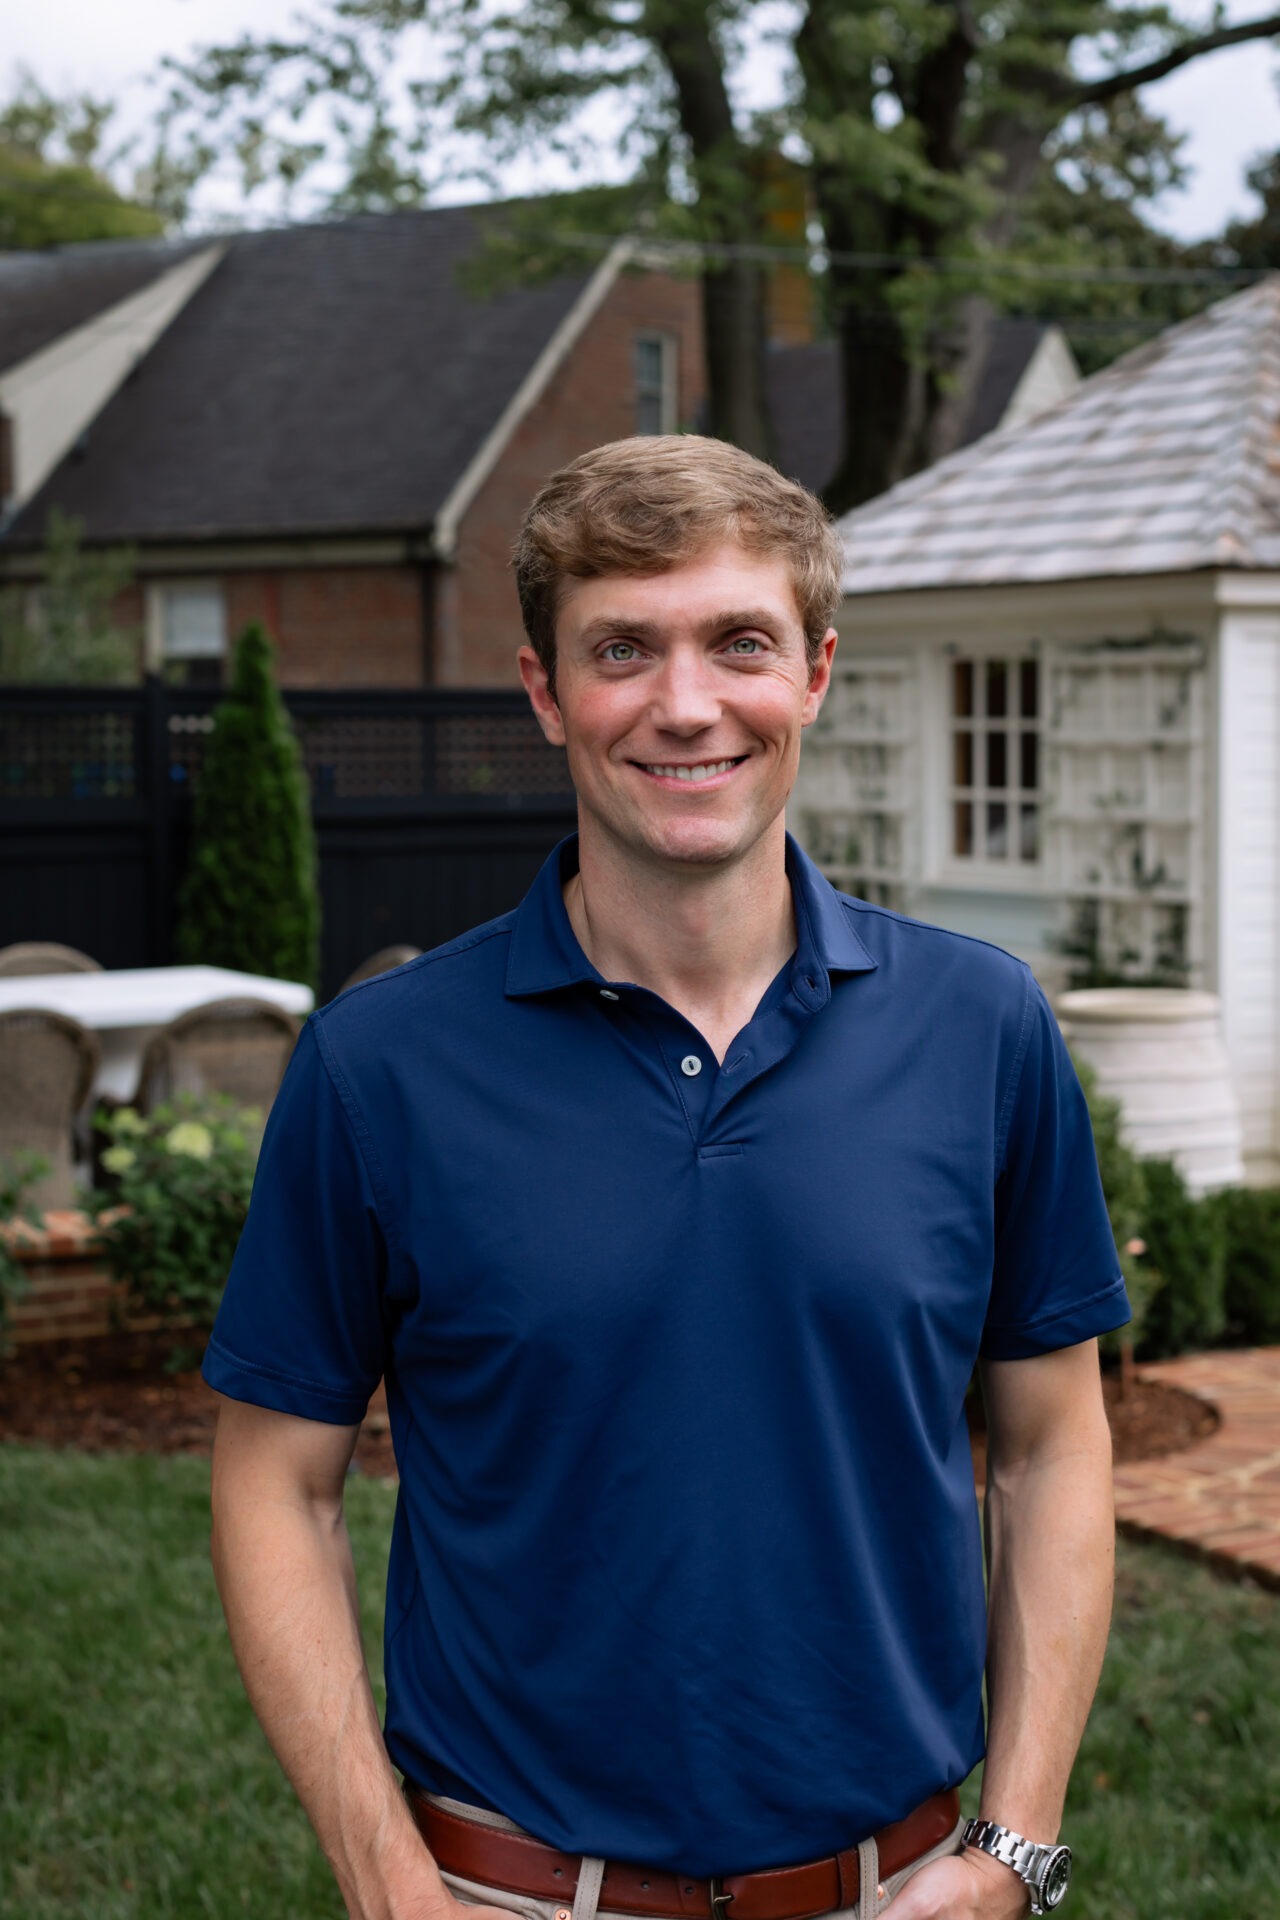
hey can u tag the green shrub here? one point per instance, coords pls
(250, 898)
(181, 1182)
(1124, 1188)
(1187, 1243)
(16, 1177)
(1250, 1224)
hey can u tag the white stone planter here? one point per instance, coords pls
(1159, 1051)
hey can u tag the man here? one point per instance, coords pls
(677, 1207)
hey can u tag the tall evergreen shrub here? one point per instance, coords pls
(250, 897)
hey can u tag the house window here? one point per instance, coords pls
(655, 371)
(189, 632)
(995, 801)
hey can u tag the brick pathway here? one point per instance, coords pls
(1220, 1499)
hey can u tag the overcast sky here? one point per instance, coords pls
(1227, 103)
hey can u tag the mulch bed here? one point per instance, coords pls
(142, 1393)
(135, 1393)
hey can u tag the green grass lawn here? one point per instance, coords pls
(134, 1784)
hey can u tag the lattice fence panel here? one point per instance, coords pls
(69, 755)
(853, 807)
(1125, 736)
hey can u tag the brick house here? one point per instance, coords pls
(332, 429)
(324, 428)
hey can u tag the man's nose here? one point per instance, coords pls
(685, 696)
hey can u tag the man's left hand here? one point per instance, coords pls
(964, 1886)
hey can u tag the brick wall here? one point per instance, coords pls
(69, 1295)
(406, 626)
(337, 626)
(591, 398)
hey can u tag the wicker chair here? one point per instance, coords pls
(239, 1047)
(44, 956)
(47, 1064)
(380, 962)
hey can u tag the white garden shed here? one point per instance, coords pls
(1055, 719)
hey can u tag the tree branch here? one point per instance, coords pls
(1095, 91)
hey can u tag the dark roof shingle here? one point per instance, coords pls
(324, 379)
(805, 390)
(44, 295)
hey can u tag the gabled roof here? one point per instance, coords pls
(45, 295)
(324, 379)
(1166, 462)
(804, 387)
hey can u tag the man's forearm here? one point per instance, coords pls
(1050, 1544)
(282, 1558)
(1050, 1541)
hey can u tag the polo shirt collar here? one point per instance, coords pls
(546, 956)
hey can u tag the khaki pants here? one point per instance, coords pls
(875, 1894)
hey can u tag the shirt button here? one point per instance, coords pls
(607, 993)
(691, 1065)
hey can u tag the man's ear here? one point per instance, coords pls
(819, 679)
(541, 698)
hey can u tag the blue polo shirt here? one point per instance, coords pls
(686, 1564)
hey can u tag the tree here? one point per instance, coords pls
(249, 898)
(53, 189)
(1255, 244)
(929, 129)
(67, 630)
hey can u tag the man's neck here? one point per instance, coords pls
(707, 940)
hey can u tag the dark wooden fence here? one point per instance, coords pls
(433, 811)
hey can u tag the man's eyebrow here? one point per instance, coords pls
(615, 625)
(618, 623)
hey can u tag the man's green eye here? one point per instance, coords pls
(744, 642)
(619, 650)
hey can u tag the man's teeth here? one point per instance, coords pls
(703, 772)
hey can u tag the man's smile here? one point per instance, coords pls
(696, 773)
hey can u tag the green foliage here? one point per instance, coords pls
(1254, 244)
(65, 632)
(1187, 1245)
(53, 190)
(1124, 1188)
(250, 896)
(181, 1180)
(17, 1177)
(1200, 1272)
(1250, 1224)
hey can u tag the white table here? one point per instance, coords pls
(124, 1006)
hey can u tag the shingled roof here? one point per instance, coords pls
(324, 379)
(1166, 462)
(47, 294)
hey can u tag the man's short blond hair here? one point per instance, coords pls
(651, 503)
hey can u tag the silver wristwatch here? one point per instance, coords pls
(1046, 1870)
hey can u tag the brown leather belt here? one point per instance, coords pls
(519, 1864)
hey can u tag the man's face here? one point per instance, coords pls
(680, 699)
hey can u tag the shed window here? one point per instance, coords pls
(655, 362)
(995, 781)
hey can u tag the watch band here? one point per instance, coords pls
(1044, 1868)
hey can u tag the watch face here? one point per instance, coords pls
(1057, 1878)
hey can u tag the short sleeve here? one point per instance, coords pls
(301, 1324)
(1056, 1278)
